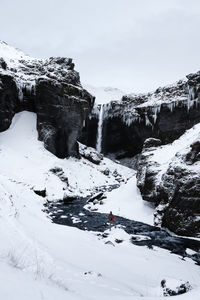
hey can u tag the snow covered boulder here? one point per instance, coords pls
(175, 288)
(90, 154)
(3, 64)
(151, 142)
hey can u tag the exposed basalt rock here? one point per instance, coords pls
(173, 183)
(147, 180)
(194, 154)
(181, 188)
(51, 88)
(9, 102)
(3, 64)
(89, 132)
(41, 193)
(61, 111)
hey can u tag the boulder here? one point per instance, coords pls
(90, 154)
(151, 142)
(41, 193)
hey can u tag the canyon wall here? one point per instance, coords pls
(51, 88)
(164, 114)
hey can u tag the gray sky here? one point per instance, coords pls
(135, 45)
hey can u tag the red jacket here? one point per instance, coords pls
(111, 218)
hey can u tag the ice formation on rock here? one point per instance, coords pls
(100, 128)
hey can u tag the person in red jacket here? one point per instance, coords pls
(111, 219)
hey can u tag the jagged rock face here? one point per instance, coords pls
(173, 184)
(89, 133)
(182, 187)
(164, 114)
(61, 111)
(8, 100)
(51, 88)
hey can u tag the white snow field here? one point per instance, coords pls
(104, 94)
(43, 260)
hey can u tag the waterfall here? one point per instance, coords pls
(99, 131)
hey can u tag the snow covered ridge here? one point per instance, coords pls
(170, 177)
(132, 107)
(51, 88)
(26, 69)
(104, 95)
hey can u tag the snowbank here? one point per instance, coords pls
(42, 260)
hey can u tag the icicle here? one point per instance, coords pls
(20, 93)
(191, 97)
(147, 121)
(155, 113)
(171, 106)
(100, 128)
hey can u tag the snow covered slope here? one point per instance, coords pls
(104, 94)
(26, 69)
(11, 54)
(42, 260)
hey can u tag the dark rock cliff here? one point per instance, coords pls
(164, 114)
(9, 103)
(51, 88)
(169, 176)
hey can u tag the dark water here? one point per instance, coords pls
(94, 221)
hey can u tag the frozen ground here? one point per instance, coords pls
(43, 260)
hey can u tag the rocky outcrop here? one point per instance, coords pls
(8, 100)
(61, 112)
(170, 177)
(90, 129)
(164, 114)
(51, 88)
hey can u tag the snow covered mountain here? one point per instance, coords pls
(104, 94)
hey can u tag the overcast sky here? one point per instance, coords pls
(135, 45)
